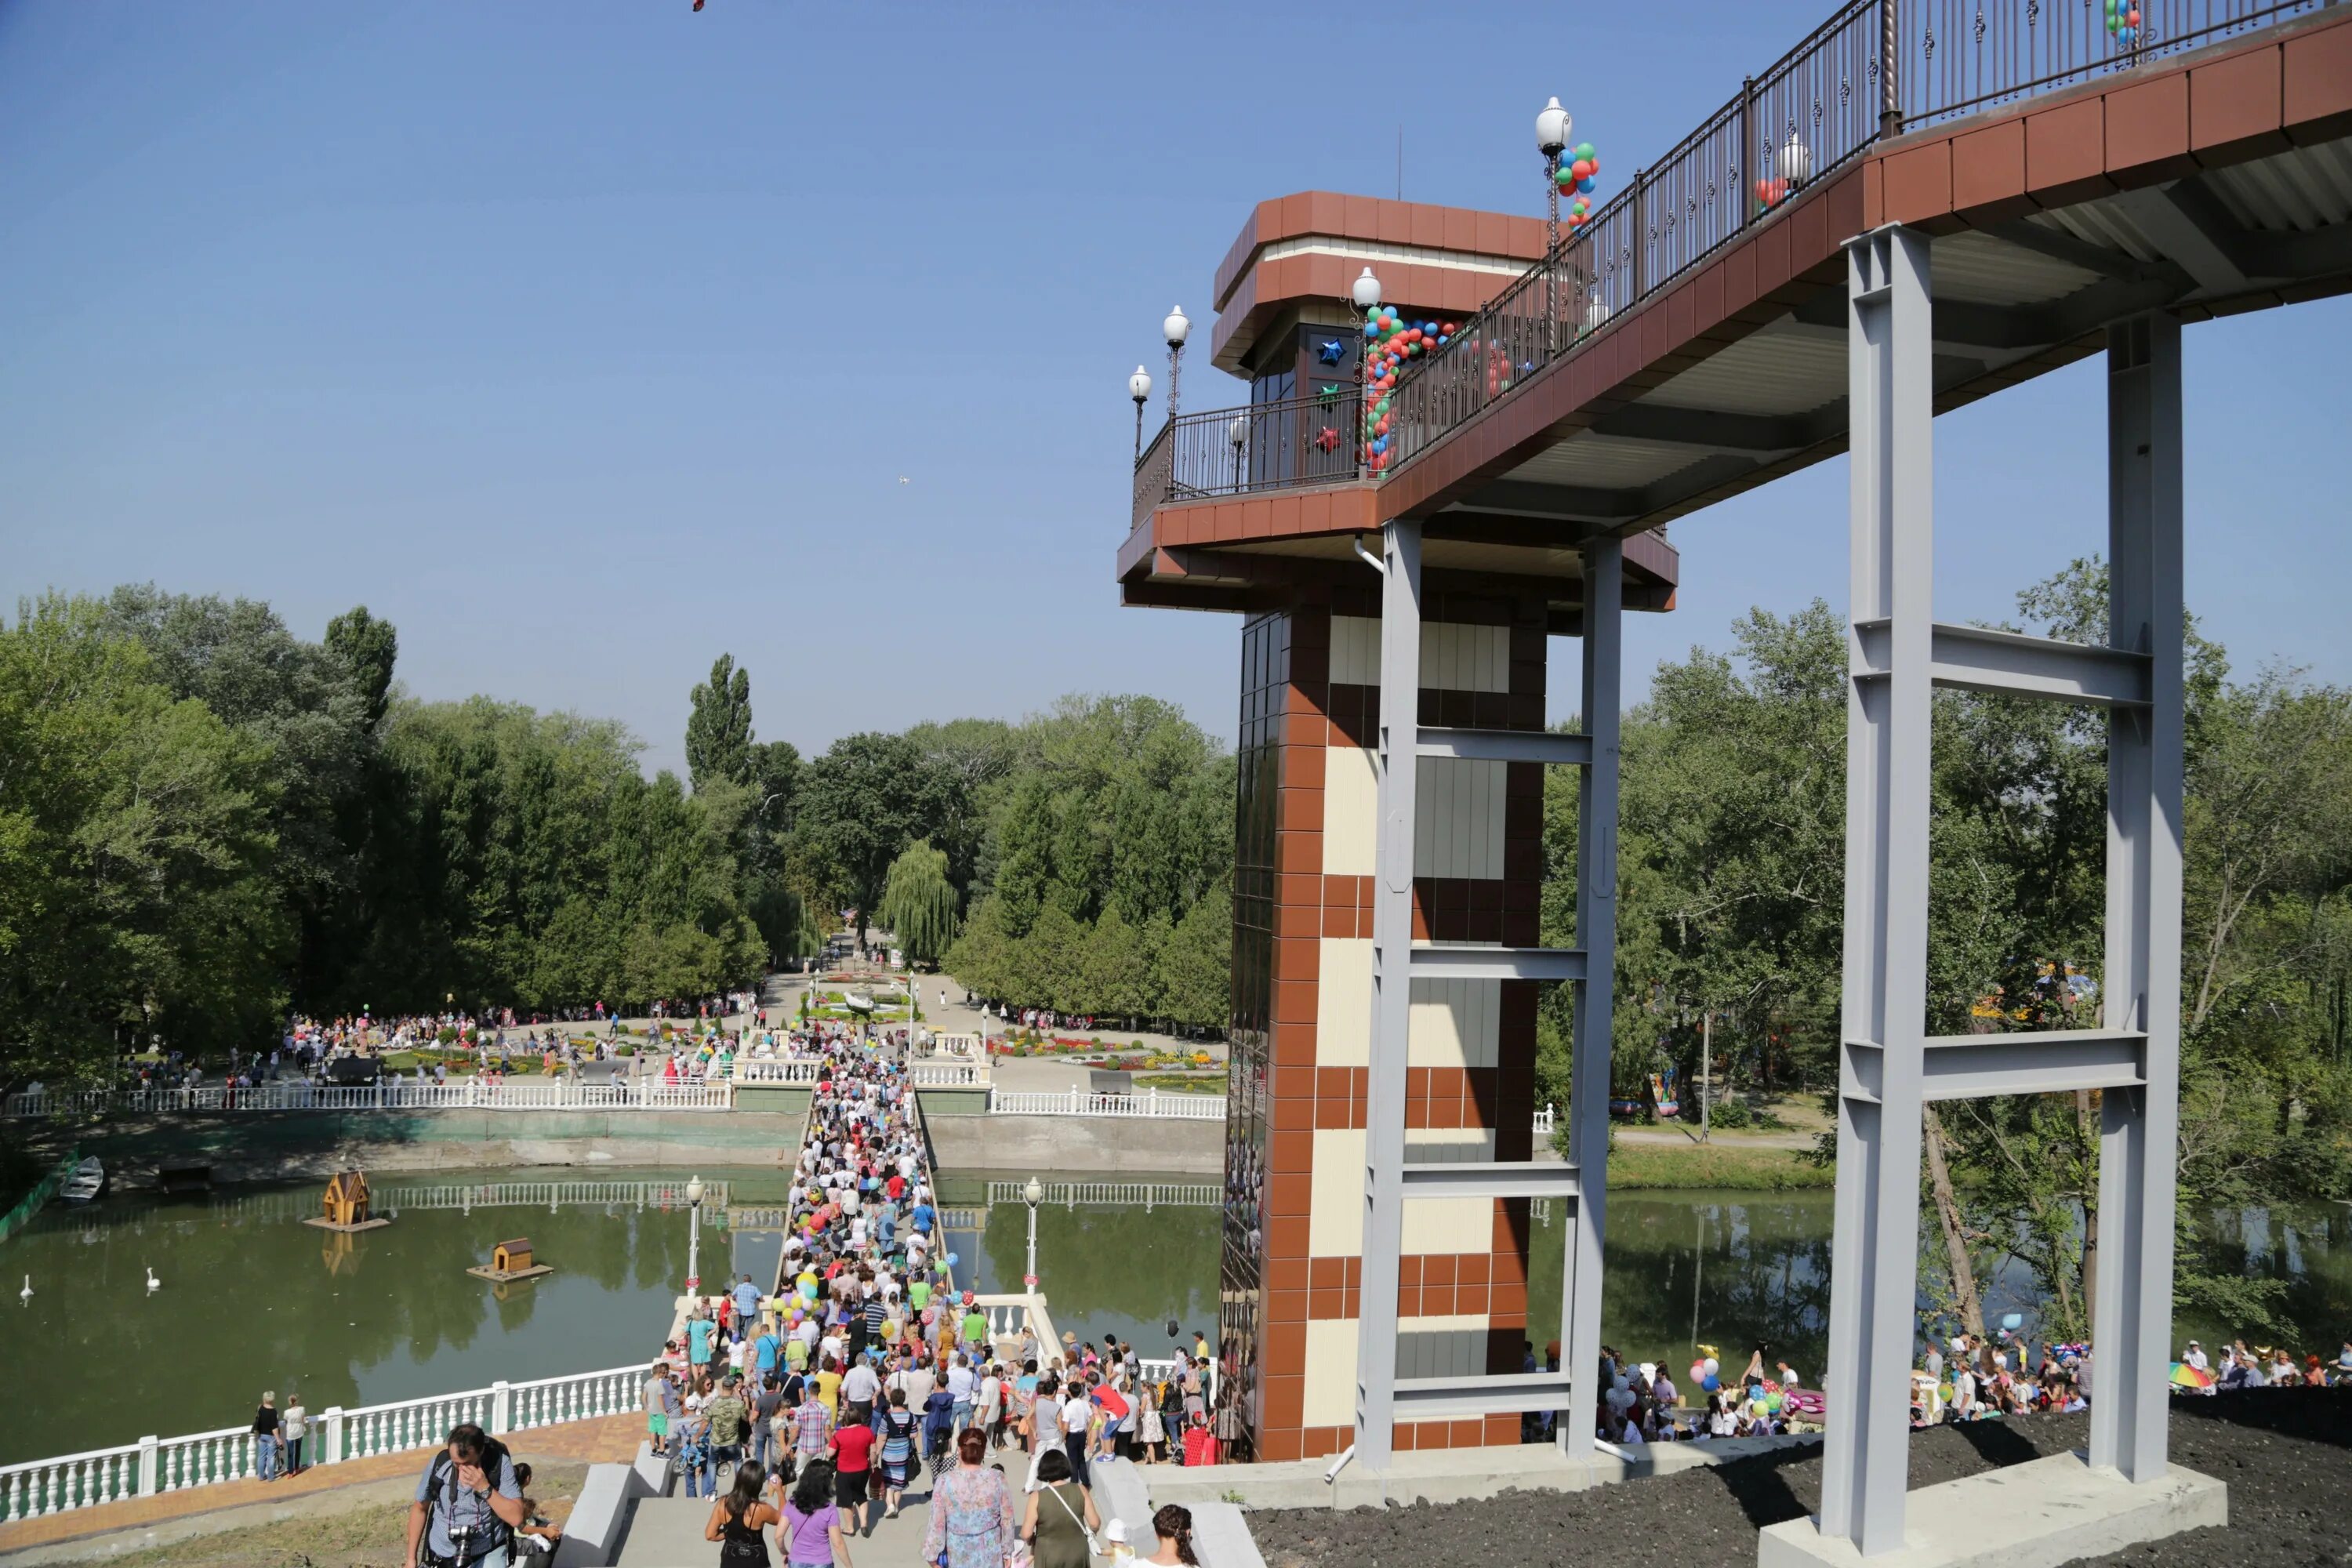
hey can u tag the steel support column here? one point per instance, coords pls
(1874, 1253)
(1594, 1011)
(2139, 1132)
(1397, 756)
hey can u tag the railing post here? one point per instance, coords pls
(1890, 51)
(1640, 233)
(501, 1407)
(1742, 184)
(330, 1436)
(150, 1478)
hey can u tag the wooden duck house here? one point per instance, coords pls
(511, 1260)
(346, 1203)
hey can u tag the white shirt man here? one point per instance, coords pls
(992, 1400)
(960, 1382)
(861, 1386)
(832, 1345)
(2195, 1356)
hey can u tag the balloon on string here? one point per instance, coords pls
(1712, 1365)
(1585, 185)
(1584, 151)
(952, 1260)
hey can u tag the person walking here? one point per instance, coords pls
(899, 1430)
(738, 1522)
(812, 1523)
(1061, 1516)
(731, 1425)
(972, 1521)
(852, 1454)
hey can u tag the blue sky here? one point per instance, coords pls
(587, 341)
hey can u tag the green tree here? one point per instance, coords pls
(719, 728)
(1116, 971)
(367, 648)
(866, 799)
(1193, 971)
(918, 903)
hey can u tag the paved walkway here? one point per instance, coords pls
(607, 1441)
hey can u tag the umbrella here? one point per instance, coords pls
(2186, 1376)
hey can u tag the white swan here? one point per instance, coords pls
(153, 1283)
(26, 1293)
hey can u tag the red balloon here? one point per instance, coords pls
(1582, 168)
(1448, 328)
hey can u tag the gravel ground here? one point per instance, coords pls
(2285, 1455)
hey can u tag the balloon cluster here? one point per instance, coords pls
(1390, 343)
(1772, 193)
(1575, 177)
(2123, 21)
(1707, 1373)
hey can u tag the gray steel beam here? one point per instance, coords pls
(1419, 1398)
(2057, 1061)
(1497, 963)
(1874, 1251)
(1507, 745)
(1759, 433)
(2140, 1130)
(2010, 664)
(1495, 1179)
(1594, 1004)
(1393, 967)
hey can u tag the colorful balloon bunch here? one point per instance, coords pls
(1772, 193)
(1390, 344)
(2123, 21)
(1575, 176)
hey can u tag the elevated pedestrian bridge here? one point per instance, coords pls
(1690, 341)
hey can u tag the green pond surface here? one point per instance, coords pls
(253, 1299)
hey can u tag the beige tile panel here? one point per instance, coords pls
(1330, 1393)
(1444, 1225)
(1351, 798)
(1335, 1194)
(1343, 1002)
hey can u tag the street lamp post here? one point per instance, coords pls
(1366, 296)
(694, 1237)
(1238, 434)
(1552, 128)
(1138, 387)
(1032, 1195)
(1175, 329)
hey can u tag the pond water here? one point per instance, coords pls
(252, 1299)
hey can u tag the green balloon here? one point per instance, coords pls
(1381, 406)
(1584, 149)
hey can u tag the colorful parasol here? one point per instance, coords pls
(2186, 1376)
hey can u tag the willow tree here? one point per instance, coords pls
(918, 902)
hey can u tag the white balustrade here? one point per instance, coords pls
(153, 1466)
(554, 1094)
(1127, 1194)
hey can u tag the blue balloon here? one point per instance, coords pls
(1380, 444)
(1371, 331)
(1710, 1383)
(1584, 186)
(951, 1260)
(2013, 1321)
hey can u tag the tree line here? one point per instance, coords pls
(206, 821)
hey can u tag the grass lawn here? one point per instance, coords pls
(1182, 1083)
(1667, 1167)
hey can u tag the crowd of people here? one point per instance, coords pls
(811, 1411)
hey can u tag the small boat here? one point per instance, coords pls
(87, 1181)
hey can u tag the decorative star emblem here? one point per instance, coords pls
(1329, 393)
(1330, 351)
(1329, 440)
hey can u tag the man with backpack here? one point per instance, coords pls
(468, 1505)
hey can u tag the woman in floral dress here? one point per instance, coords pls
(971, 1510)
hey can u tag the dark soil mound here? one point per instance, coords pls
(2285, 1455)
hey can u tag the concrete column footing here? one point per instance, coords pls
(2034, 1515)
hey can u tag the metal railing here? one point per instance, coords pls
(1875, 69)
(514, 1094)
(1131, 1194)
(157, 1465)
(1304, 440)
(1083, 1102)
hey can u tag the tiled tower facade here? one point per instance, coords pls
(1301, 1022)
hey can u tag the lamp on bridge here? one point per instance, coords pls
(1032, 1195)
(694, 1235)
(1552, 128)
(1238, 434)
(1796, 160)
(1138, 387)
(1175, 329)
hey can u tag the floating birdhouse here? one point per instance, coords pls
(347, 1197)
(346, 1205)
(511, 1257)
